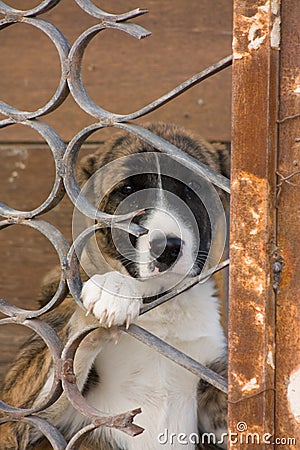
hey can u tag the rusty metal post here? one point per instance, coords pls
(288, 299)
(253, 226)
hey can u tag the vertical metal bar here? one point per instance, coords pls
(252, 300)
(288, 299)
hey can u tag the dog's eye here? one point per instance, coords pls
(127, 189)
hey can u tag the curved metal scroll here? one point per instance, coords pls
(65, 158)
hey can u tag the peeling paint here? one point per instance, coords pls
(236, 53)
(297, 84)
(254, 40)
(237, 247)
(260, 289)
(250, 385)
(257, 29)
(275, 7)
(246, 385)
(249, 261)
(276, 34)
(254, 279)
(270, 360)
(259, 316)
(256, 286)
(265, 7)
(259, 319)
(254, 231)
(255, 215)
(293, 394)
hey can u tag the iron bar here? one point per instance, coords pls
(253, 228)
(286, 270)
(178, 357)
(185, 286)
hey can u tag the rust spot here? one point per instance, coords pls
(67, 371)
(252, 228)
(253, 31)
(276, 33)
(245, 384)
(297, 84)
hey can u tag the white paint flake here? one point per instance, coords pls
(293, 394)
(270, 360)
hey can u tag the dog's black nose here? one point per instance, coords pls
(165, 251)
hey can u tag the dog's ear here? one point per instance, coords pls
(89, 164)
(86, 168)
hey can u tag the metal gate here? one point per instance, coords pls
(264, 302)
(66, 182)
(262, 259)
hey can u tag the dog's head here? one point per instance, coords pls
(181, 212)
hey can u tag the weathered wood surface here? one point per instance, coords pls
(121, 73)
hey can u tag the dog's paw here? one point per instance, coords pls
(112, 298)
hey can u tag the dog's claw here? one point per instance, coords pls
(90, 309)
(111, 320)
(128, 320)
(112, 299)
(103, 317)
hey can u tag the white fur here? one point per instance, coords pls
(166, 219)
(133, 375)
(112, 298)
(165, 223)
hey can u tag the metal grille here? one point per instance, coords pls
(66, 182)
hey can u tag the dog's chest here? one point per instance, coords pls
(132, 375)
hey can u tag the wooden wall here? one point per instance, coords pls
(121, 74)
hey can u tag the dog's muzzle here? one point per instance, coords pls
(165, 250)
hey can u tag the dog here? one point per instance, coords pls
(115, 372)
